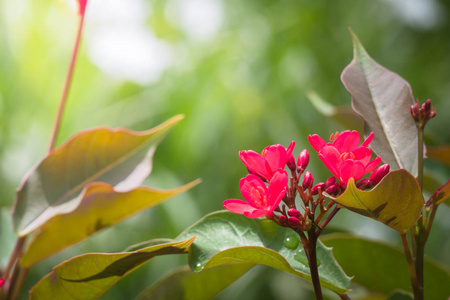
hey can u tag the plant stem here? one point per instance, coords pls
(430, 221)
(312, 260)
(327, 220)
(67, 84)
(411, 269)
(344, 297)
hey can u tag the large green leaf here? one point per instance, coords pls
(121, 158)
(442, 194)
(396, 201)
(184, 284)
(382, 268)
(383, 99)
(224, 237)
(90, 275)
(100, 207)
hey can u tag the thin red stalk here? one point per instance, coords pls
(411, 269)
(67, 84)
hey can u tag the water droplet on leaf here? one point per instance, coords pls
(300, 256)
(198, 267)
(291, 241)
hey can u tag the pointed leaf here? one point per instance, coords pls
(440, 153)
(442, 194)
(90, 275)
(224, 237)
(184, 284)
(396, 201)
(383, 99)
(380, 267)
(343, 115)
(121, 158)
(100, 207)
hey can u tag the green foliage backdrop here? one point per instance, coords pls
(241, 85)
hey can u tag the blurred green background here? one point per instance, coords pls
(238, 70)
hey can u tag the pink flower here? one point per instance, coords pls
(343, 157)
(271, 159)
(261, 200)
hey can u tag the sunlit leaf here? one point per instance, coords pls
(382, 268)
(383, 99)
(442, 194)
(90, 275)
(396, 201)
(224, 237)
(343, 115)
(121, 158)
(100, 207)
(440, 153)
(185, 284)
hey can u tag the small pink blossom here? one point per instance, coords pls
(260, 200)
(343, 157)
(271, 159)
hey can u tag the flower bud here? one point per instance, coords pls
(293, 212)
(303, 160)
(315, 189)
(2, 281)
(282, 219)
(333, 189)
(379, 174)
(330, 181)
(307, 180)
(363, 184)
(291, 163)
(294, 222)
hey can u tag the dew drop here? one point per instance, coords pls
(291, 241)
(198, 267)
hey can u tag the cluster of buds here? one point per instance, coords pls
(422, 113)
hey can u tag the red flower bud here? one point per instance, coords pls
(282, 219)
(333, 189)
(315, 189)
(291, 163)
(363, 184)
(379, 174)
(330, 181)
(294, 222)
(293, 212)
(307, 180)
(303, 160)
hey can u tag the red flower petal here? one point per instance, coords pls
(254, 191)
(316, 142)
(331, 158)
(275, 156)
(362, 154)
(241, 207)
(368, 140)
(351, 169)
(277, 189)
(373, 164)
(347, 141)
(255, 162)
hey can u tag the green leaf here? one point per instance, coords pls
(382, 268)
(100, 207)
(396, 201)
(184, 284)
(7, 237)
(121, 158)
(440, 153)
(383, 99)
(90, 275)
(343, 115)
(400, 295)
(442, 194)
(224, 237)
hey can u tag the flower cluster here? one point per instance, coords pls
(268, 183)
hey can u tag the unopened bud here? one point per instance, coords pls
(291, 163)
(363, 184)
(294, 222)
(379, 174)
(2, 281)
(293, 212)
(307, 180)
(330, 181)
(315, 189)
(282, 219)
(303, 160)
(333, 189)
(427, 105)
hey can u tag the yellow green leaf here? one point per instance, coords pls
(100, 207)
(396, 201)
